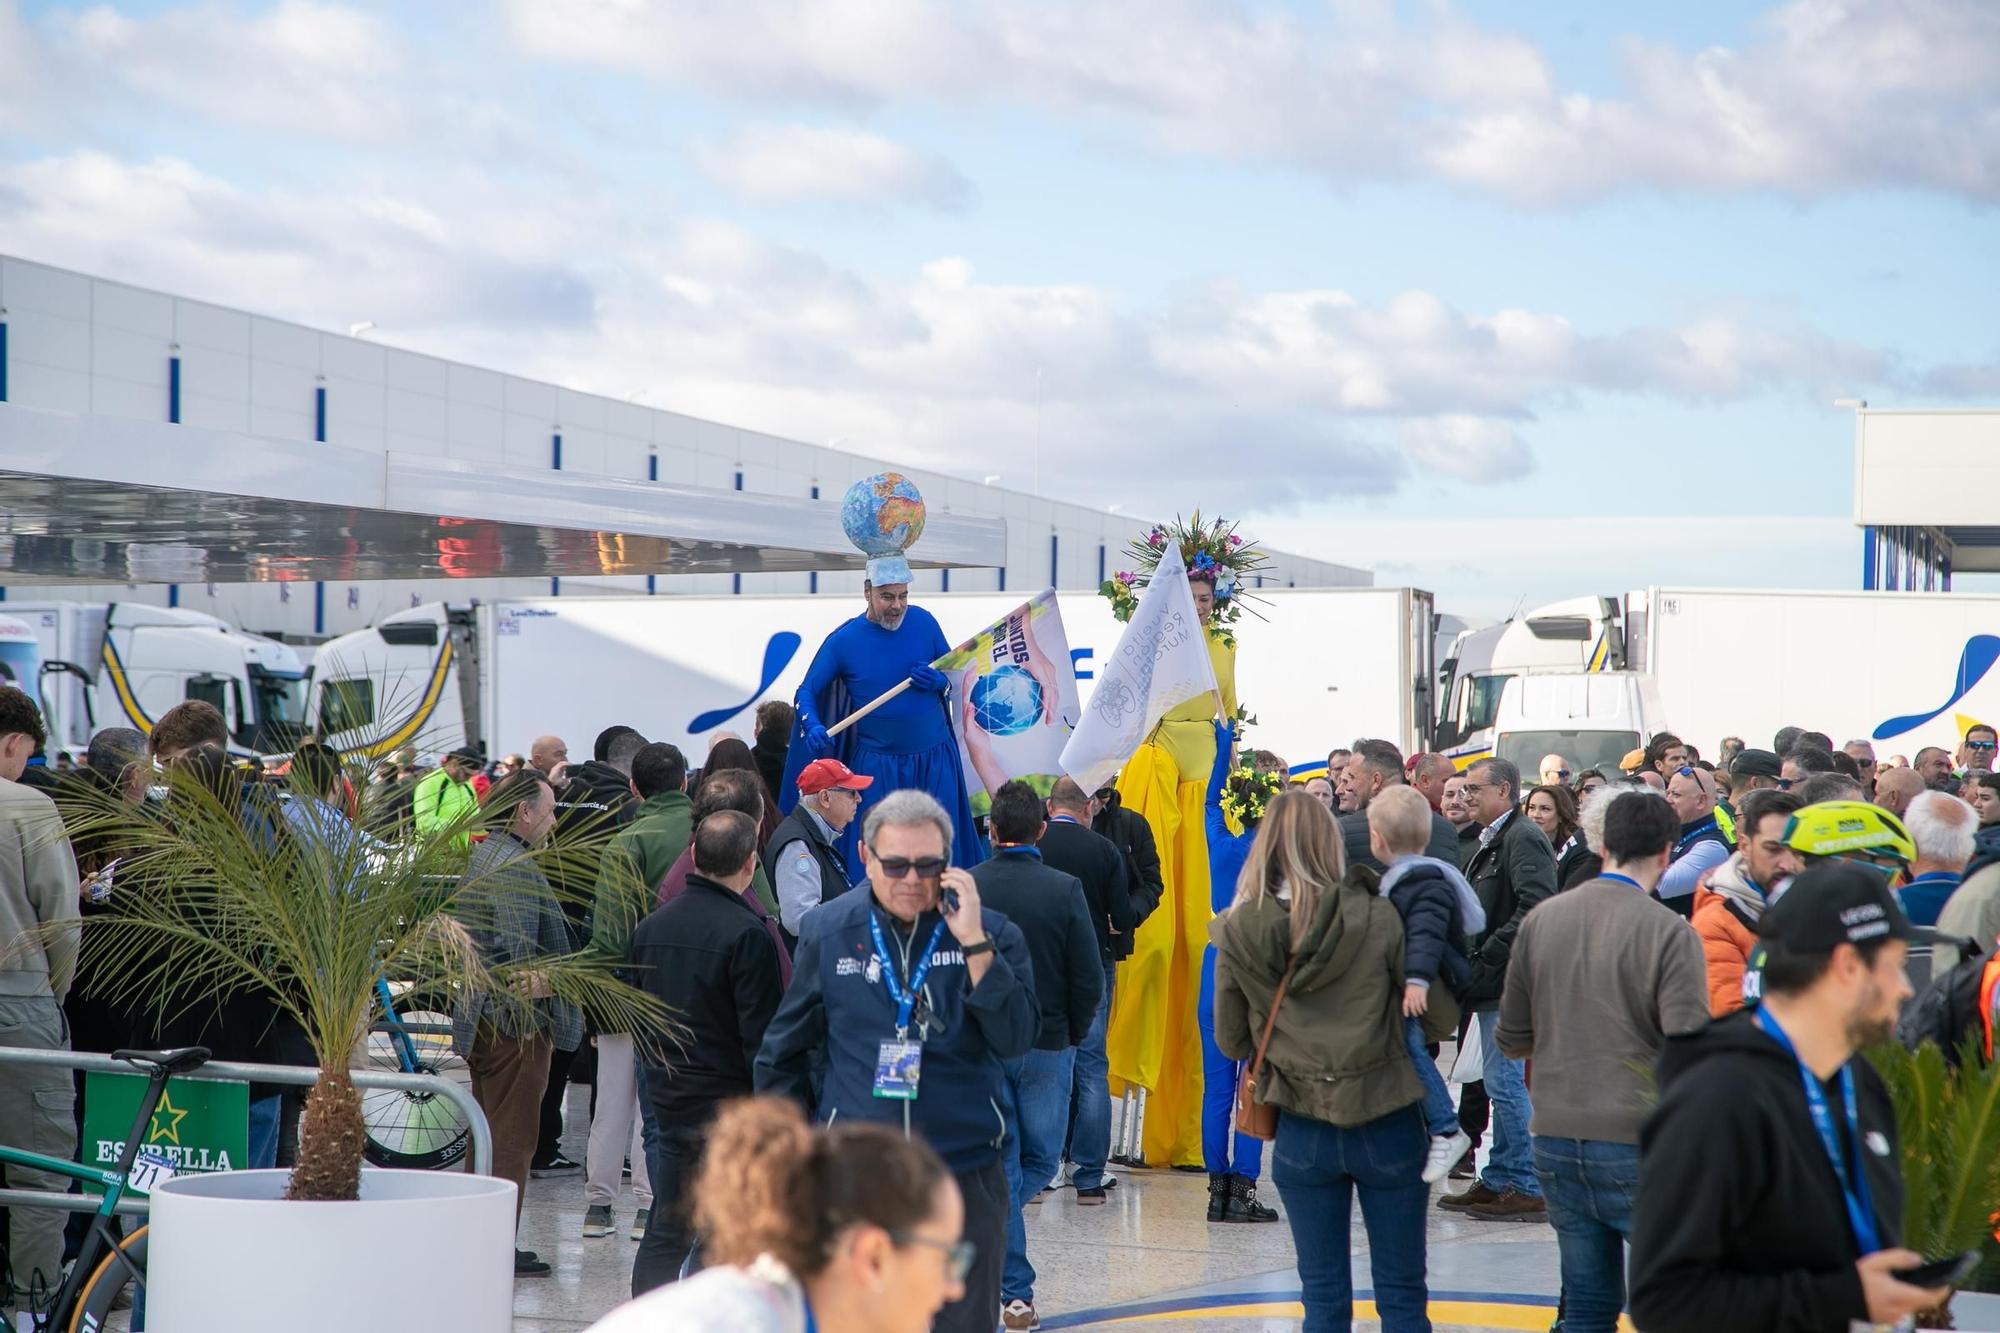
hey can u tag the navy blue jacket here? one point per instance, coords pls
(833, 1007)
(1433, 939)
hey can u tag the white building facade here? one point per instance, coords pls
(73, 343)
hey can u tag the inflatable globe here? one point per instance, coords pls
(883, 514)
(1007, 702)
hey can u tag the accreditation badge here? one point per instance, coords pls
(897, 1069)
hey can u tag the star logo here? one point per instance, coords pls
(169, 1132)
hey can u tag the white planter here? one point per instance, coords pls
(421, 1251)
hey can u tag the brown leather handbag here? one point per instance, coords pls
(1252, 1116)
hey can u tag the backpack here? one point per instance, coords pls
(1952, 1007)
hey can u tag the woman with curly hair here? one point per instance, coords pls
(853, 1229)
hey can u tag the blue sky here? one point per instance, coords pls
(1401, 284)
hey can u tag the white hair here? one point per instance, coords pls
(906, 809)
(1942, 826)
(1590, 819)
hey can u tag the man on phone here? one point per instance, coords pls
(1770, 1187)
(911, 995)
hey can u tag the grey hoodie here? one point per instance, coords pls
(38, 886)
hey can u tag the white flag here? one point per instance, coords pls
(1161, 662)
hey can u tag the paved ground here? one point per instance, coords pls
(1149, 1253)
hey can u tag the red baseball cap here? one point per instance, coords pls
(826, 774)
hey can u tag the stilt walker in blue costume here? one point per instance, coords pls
(906, 742)
(1234, 1161)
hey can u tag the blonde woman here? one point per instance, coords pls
(1337, 1068)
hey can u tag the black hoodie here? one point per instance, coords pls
(1740, 1225)
(593, 802)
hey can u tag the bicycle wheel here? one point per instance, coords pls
(416, 1130)
(94, 1303)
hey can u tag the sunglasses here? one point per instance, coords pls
(958, 1257)
(1560, 772)
(1981, 745)
(899, 867)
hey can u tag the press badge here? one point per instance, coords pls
(897, 1069)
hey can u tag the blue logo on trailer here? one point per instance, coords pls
(1981, 652)
(778, 655)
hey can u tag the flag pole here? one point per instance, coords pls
(866, 709)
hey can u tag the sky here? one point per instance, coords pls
(1509, 302)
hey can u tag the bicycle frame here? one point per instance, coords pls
(98, 1239)
(406, 1050)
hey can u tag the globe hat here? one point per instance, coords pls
(887, 569)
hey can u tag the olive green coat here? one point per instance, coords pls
(1337, 1053)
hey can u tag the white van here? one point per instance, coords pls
(1593, 719)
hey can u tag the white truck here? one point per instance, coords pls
(1321, 667)
(1901, 669)
(122, 664)
(1582, 635)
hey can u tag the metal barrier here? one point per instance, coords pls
(221, 1071)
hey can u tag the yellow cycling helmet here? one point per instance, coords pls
(1849, 829)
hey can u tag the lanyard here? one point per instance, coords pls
(1623, 879)
(1854, 1188)
(1695, 834)
(906, 1000)
(812, 1325)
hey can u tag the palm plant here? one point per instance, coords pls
(1949, 1123)
(217, 893)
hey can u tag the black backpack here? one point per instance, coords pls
(1946, 1011)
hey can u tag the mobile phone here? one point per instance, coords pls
(950, 901)
(1946, 1272)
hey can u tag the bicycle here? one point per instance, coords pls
(107, 1262)
(418, 1131)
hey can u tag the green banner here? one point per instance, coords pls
(200, 1125)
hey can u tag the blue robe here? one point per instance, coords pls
(906, 743)
(1223, 1152)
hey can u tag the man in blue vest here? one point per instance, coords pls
(802, 858)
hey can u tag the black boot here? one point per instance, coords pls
(1243, 1205)
(1218, 1198)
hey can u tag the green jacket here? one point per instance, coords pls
(440, 802)
(1337, 1053)
(629, 875)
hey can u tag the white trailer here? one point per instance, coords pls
(1902, 669)
(122, 664)
(1322, 667)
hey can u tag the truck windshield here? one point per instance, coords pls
(1482, 701)
(1583, 749)
(281, 708)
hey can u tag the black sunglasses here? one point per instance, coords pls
(897, 867)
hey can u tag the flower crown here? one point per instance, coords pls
(1246, 793)
(1212, 552)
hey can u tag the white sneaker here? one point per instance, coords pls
(1445, 1151)
(1018, 1314)
(1063, 1174)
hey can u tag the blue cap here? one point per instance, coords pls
(885, 569)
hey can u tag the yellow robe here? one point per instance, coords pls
(1154, 1040)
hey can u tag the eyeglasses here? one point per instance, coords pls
(1471, 788)
(1560, 772)
(1981, 745)
(899, 867)
(958, 1257)
(1784, 784)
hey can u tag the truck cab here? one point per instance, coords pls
(123, 664)
(1579, 635)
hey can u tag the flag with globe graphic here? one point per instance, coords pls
(1014, 701)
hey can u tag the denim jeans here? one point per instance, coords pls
(1036, 1105)
(1090, 1129)
(1590, 1186)
(1511, 1166)
(267, 1116)
(1318, 1169)
(1440, 1116)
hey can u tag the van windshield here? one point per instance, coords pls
(1584, 749)
(1482, 701)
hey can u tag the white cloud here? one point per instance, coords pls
(789, 163)
(1831, 95)
(1274, 399)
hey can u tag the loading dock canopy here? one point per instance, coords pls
(108, 500)
(1924, 481)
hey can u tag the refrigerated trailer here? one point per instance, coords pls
(1903, 670)
(1318, 668)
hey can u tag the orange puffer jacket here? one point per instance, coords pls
(1725, 913)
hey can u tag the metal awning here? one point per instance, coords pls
(107, 500)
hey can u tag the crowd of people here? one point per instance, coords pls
(878, 1066)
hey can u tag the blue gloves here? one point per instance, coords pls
(930, 680)
(818, 742)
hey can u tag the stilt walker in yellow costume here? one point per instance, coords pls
(1154, 1040)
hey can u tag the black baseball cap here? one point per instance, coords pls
(1838, 902)
(466, 754)
(1756, 764)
